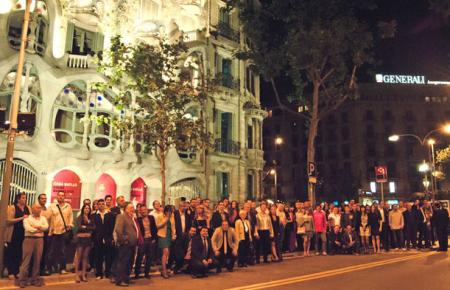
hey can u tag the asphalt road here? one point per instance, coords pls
(395, 270)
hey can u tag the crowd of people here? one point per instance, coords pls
(122, 241)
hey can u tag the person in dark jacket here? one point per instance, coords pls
(183, 223)
(148, 235)
(103, 246)
(348, 218)
(441, 223)
(218, 216)
(410, 216)
(350, 241)
(202, 256)
(335, 241)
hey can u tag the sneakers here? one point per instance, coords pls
(324, 253)
(317, 253)
(62, 272)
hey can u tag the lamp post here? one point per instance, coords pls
(12, 131)
(273, 172)
(424, 142)
(424, 168)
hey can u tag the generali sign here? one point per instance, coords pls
(400, 79)
(407, 79)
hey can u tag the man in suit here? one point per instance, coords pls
(148, 231)
(182, 225)
(103, 240)
(441, 222)
(218, 216)
(335, 241)
(202, 257)
(385, 230)
(115, 211)
(126, 233)
(350, 242)
(225, 245)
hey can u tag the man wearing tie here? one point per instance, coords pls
(225, 245)
(127, 235)
(182, 225)
(202, 259)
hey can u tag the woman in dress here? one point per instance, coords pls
(166, 234)
(201, 219)
(364, 229)
(15, 233)
(306, 229)
(276, 241)
(234, 212)
(375, 225)
(85, 225)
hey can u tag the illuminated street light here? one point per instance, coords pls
(431, 142)
(273, 172)
(279, 141)
(394, 138)
(424, 167)
(446, 128)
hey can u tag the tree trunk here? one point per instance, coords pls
(162, 162)
(311, 151)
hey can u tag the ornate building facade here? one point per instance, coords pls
(68, 151)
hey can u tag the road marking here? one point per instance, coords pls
(329, 273)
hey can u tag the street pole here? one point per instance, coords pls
(433, 169)
(276, 185)
(12, 133)
(382, 191)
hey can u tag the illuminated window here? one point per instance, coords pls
(392, 187)
(373, 186)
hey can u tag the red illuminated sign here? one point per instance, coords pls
(138, 192)
(69, 182)
(105, 185)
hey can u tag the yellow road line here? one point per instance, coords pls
(328, 273)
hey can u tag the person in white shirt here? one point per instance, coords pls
(35, 225)
(335, 217)
(61, 222)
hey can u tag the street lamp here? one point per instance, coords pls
(273, 172)
(424, 141)
(279, 141)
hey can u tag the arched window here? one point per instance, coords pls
(74, 115)
(189, 155)
(30, 97)
(38, 27)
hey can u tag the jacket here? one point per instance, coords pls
(216, 220)
(178, 227)
(125, 231)
(198, 250)
(240, 230)
(153, 228)
(320, 221)
(103, 233)
(217, 239)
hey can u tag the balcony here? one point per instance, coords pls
(227, 81)
(227, 146)
(226, 31)
(80, 61)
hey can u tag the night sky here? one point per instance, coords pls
(421, 45)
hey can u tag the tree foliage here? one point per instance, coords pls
(153, 96)
(318, 44)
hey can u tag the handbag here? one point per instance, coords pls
(68, 234)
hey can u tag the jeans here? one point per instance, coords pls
(124, 263)
(144, 250)
(57, 255)
(323, 237)
(397, 235)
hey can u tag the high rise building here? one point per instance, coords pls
(354, 139)
(67, 151)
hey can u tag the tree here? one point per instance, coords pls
(153, 96)
(318, 44)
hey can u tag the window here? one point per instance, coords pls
(69, 112)
(30, 99)
(392, 187)
(250, 186)
(37, 33)
(227, 77)
(250, 136)
(222, 182)
(224, 16)
(250, 80)
(370, 132)
(83, 42)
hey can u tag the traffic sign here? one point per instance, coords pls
(312, 169)
(381, 174)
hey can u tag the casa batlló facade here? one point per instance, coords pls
(66, 150)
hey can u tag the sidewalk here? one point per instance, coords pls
(70, 277)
